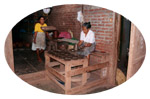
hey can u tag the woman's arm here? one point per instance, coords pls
(80, 42)
(47, 35)
(88, 45)
(35, 34)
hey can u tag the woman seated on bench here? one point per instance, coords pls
(87, 40)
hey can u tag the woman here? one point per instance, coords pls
(39, 37)
(87, 40)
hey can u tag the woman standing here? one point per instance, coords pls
(87, 40)
(39, 37)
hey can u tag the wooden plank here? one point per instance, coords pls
(9, 51)
(29, 77)
(86, 86)
(72, 62)
(98, 86)
(50, 76)
(104, 57)
(100, 54)
(76, 62)
(57, 74)
(52, 64)
(33, 78)
(87, 69)
(48, 28)
(68, 40)
(136, 52)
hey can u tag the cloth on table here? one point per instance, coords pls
(65, 35)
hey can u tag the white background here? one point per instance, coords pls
(12, 11)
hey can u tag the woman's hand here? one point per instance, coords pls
(80, 42)
(34, 40)
(47, 35)
(88, 45)
(35, 34)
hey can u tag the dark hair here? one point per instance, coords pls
(41, 17)
(87, 25)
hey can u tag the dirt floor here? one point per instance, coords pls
(25, 61)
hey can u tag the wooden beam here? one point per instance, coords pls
(72, 62)
(50, 76)
(52, 64)
(57, 74)
(47, 58)
(87, 69)
(86, 86)
(114, 50)
(9, 51)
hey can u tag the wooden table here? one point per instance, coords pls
(69, 41)
(68, 72)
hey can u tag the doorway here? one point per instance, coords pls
(124, 44)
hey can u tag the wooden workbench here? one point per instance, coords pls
(67, 70)
(69, 41)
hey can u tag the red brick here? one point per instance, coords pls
(99, 18)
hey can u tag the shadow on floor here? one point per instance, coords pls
(25, 61)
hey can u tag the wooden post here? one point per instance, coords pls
(47, 59)
(84, 75)
(9, 51)
(114, 50)
(67, 78)
(136, 52)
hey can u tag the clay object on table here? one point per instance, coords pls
(74, 58)
(70, 56)
(62, 54)
(80, 56)
(61, 57)
(48, 28)
(59, 51)
(56, 54)
(67, 59)
(66, 55)
(50, 51)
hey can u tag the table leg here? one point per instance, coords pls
(68, 78)
(76, 47)
(56, 45)
(61, 66)
(47, 59)
(84, 75)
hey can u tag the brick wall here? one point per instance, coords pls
(102, 24)
(64, 17)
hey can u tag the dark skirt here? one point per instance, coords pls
(86, 50)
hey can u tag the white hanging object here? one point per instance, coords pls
(46, 10)
(80, 17)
